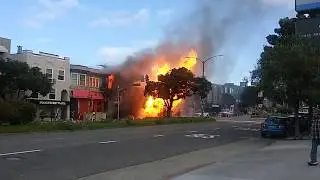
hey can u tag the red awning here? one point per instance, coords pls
(87, 94)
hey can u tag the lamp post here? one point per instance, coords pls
(118, 102)
(204, 61)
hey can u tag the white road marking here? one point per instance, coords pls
(107, 142)
(193, 131)
(20, 152)
(203, 136)
(217, 128)
(158, 135)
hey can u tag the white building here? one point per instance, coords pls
(56, 103)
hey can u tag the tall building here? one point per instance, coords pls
(58, 70)
(218, 90)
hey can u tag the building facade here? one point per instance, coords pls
(87, 95)
(218, 90)
(5, 47)
(55, 105)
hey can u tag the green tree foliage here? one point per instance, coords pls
(288, 68)
(202, 88)
(16, 78)
(176, 84)
(249, 96)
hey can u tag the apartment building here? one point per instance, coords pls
(214, 96)
(87, 95)
(56, 104)
(5, 47)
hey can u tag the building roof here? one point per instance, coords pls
(74, 67)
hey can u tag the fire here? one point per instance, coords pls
(155, 106)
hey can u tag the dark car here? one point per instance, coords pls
(275, 126)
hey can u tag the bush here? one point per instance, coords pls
(17, 112)
(8, 113)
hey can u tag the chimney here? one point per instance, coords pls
(19, 51)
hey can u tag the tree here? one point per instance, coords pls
(227, 100)
(16, 78)
(288, 67)
(249, 96)
(174, 85)
(202, 88)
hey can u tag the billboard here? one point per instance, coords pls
(309, 28)
(307, 5)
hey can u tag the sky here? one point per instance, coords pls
(107, 31)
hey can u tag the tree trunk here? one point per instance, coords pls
(202, 106)
(169, 108)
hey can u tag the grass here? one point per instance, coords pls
(71, 126)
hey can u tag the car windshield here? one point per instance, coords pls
(275, 120)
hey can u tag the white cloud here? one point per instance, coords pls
(165, 12)
(122, 18)
(47, 10)
(118, 54)
(286, 3)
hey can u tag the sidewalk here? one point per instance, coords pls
(283, 160)
(167, 168)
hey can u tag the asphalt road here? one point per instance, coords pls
(71, 155)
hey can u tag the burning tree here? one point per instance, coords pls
(173, 86)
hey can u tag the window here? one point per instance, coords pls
(61, 74)
(97, 82)
(91, 82)
(94, 82)
(82, 80)
(74, 79)
(49, 73)
(52, 94)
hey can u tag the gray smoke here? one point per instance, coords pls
(220, 27)
(211, 27)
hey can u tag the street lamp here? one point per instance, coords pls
(204, 61)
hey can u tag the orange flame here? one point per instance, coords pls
(155, 106)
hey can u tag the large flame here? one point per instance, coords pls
(155, 106)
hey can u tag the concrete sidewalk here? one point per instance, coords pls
(168, 168)
(283, 160)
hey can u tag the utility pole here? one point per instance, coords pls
(118, 101)
(204, 61)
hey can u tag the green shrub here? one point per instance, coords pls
(8, 113)
(27, 112)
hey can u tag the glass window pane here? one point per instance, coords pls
(74, 79)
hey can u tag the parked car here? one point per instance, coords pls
(275, 126)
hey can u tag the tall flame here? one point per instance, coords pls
(155, 106)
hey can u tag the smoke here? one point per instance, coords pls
(212, 27)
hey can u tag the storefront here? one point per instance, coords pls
(86, 101)
(50, 110)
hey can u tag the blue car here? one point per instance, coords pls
(274, 126)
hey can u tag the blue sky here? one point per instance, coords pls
(106, 31)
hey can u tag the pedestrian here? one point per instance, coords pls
(315, 133)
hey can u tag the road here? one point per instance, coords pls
(71, 155)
